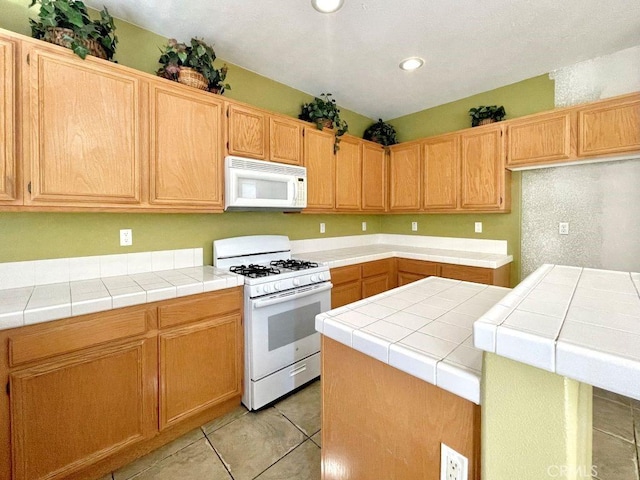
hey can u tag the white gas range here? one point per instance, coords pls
(281, 300)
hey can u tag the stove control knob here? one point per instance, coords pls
(296, 282)
(314, 278)
(267, 288)
(258, 289)
(276, 286)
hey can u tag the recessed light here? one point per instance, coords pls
(412, 63)
(327, 6)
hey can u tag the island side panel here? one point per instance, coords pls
(379, 422)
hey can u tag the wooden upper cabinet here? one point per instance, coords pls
(482, 168)
(440, 169)
(186, 147)
(348, 175)
(321, 168)
(374, 177)
(405, 180)
(82, 133)
(539, 140)
(8, 157)
(248, 132)
(285, 140)
(609, 127)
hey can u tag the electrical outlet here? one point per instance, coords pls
(563, 228)
(453, 466)
(414, 226)
(126, 237)
(478, 227)
(364, 226)
(322, 228)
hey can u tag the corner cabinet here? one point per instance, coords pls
(9, 188)
(484, 179)
(82, 130)
(186, 155)
(374, 177)
(349, 175)
(405, 179)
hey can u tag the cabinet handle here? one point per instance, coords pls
(28, 59)
(29, 187)
(8, 388)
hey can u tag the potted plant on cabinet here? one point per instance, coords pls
(482, 115)
(193, 65)
(67, 23)
(382, 133)
(324, 112)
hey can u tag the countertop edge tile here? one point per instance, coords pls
(460, 380)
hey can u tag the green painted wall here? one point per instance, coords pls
(535, 424)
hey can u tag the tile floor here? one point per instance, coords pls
(277, 443)
(616, 436)
(288, 437)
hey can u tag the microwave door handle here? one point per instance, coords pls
(273, 301)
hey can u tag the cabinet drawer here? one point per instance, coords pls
(468, 274)
(213, 304)
(418, 267)
(379, 267)
(345, 274)
(94, 330)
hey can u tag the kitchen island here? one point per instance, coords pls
(400, 376)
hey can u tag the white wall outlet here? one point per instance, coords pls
(322, 228)
(364, 226)
(453, 466)
(563, 228)
(126, 237)
(414, 226)
(478, 227)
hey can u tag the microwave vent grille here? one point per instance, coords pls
(264, 166)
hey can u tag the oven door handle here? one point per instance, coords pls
(286, 298)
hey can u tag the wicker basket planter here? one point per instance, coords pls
(60, 36)
(486, 121)
(193, 78)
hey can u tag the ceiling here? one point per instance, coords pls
(469, 46)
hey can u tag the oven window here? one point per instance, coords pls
(287, 327)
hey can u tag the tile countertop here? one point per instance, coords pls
(341, 257)
(423, 328)
(38, 291)
(581, 323)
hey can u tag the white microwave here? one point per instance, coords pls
(260, 185)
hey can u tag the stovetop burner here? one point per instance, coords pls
(292, 264)
(254, 271)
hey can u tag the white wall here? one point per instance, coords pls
(600, 201)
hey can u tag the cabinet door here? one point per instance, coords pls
(8, 158)
(82, 131)
(609, 127)
(285, 140)
(405, 278)
(345, 294)
(405, 181)
(374, 177)
(321, 168)
(539, 140)
(440, 169)
(200, 365)
(69, 414)
(412, 270)
(186, 147)
(248, 132)
(348, 175)
(374, 285)
(482, 169)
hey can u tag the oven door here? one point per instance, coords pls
(281, 328)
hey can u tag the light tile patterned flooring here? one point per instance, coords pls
(616, 436)
(277, 443)
(283, 443)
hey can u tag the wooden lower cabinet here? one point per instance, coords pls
(499, 276)
(381, 423)
(91, 393)
(412, 270)
(355, 282)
